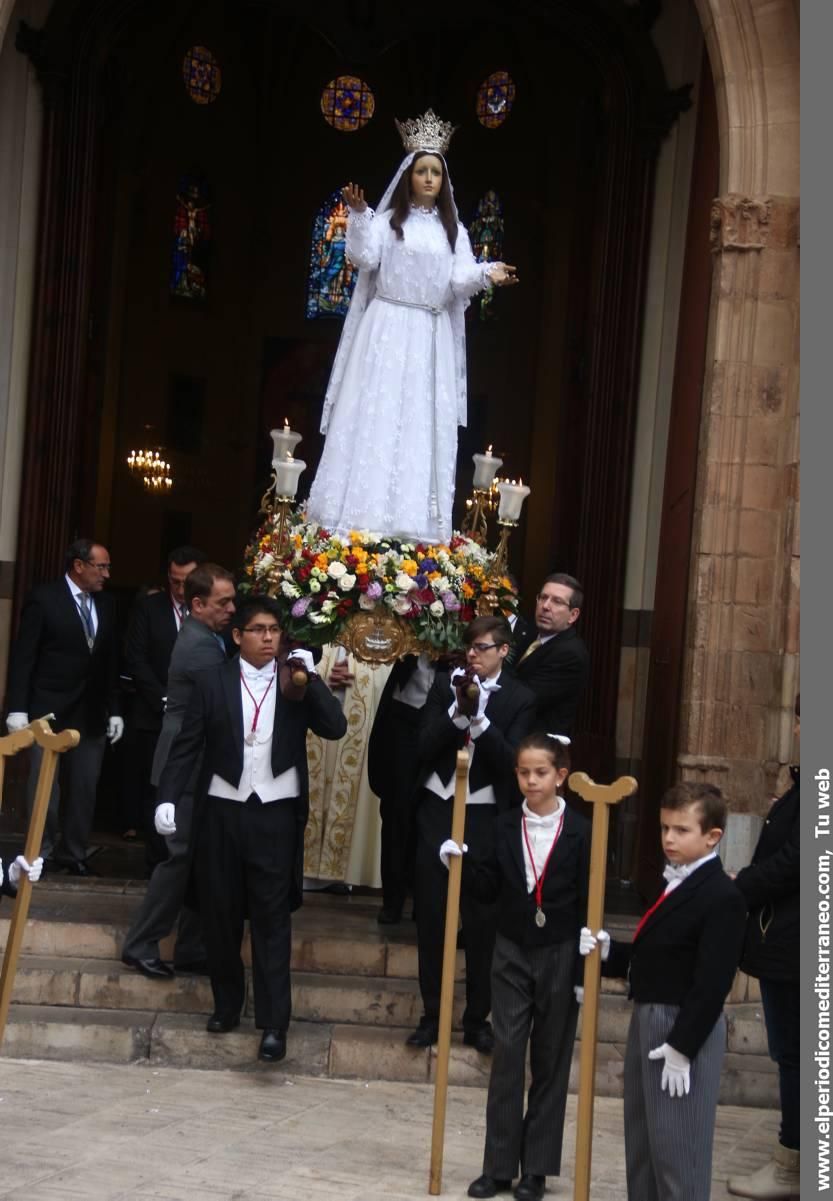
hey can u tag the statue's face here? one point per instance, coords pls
(426, 179)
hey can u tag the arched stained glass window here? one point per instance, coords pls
(495, 98)
(347, 103)
(486, 233)
(331, 277)
(191, 238)
(201, 75)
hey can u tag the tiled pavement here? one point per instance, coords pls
(116, 1133)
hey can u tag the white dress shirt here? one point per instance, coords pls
(76, 593)
(675, 873)
(541, 830)
(475, 727)
(257, 758)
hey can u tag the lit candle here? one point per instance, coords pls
(287, 472)
(283, 443)
(512, 497)
(485, 467)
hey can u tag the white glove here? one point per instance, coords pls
(16, 721)
(675, 1070)
(579, 991)
(306, 658)
(448, 849)
(115, 729)
(587, 942)
(164, 819)
(19, 865)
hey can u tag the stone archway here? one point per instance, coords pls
(741, 665)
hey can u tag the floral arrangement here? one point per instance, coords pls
(321, 580)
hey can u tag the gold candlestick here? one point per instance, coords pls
(474, 522)
(500, 563)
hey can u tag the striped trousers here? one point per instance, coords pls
(533, 1005)
(669, 1140)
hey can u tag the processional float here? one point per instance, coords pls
(382, 598)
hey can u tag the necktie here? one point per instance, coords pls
(86, 617)
(533, 646)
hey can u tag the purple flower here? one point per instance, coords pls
(300, 607)
(452, 605)
(428, 565)
(374, 590)
(421, 580)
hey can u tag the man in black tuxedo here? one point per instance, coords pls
(209, 596)
(155, 621)
(555, 665)
(65, 661)
(491, 728)
(252, 803)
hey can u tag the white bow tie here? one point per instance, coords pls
(674, 872)
(261, 674)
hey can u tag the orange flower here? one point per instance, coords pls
(409, 567)
(468, 591)
(322, 562)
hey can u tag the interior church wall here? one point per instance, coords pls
(20, 130)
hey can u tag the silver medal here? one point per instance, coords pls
(540, 918)
(250, 738)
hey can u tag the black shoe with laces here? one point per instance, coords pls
(488, 1186)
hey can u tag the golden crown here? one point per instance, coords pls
(427, 132)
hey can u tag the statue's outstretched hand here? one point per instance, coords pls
(502, 275)
(354, 197)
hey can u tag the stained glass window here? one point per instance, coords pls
(202, 75)
(347, 103)
(331, 276)
(191, 238)
(486, 233)
(495, 98)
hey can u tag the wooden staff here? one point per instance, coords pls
(52, 745)
(601, 797)
(10, 744)
(452, 913)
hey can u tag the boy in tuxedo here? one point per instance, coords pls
(680, 967)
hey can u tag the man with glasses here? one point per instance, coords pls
(209, 597)
(490, 726)
(65, 661)
(555, 664)
(251, 738)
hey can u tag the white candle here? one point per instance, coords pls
(485, 468)
(512, 497)
(287, 472)
(283, 443)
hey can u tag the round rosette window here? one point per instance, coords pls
(201, 75)
(347, 103)
(495, 98)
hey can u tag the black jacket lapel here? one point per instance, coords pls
(682, 894)
(231, 689)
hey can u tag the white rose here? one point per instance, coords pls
(367, 602)
(436, 608)
(314, 586)
(401, 605)
(347, 582)
(336, 570)
(404, 582)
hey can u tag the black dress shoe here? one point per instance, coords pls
(389, 917)
(154, 969)
(221, 1023)
(425, 1035)
(488, 1186)
(530, 1188)
(76, 867)
(193, 967)
(481, 1038)
(272, 1046)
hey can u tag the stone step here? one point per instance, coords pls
(314, 1048)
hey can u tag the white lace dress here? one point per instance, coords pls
(392, 432)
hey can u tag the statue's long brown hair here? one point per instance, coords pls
(401, 202)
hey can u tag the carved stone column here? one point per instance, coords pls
(742, 632)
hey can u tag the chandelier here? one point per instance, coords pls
(151, 469)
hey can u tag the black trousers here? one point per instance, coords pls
(397, 809)
(478, 919)
(245, 859)
(782, 1017)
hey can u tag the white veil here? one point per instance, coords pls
(364, 292)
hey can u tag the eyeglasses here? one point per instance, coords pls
(98, 566)
(482, 647)
(261, 630)
(558, 601)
